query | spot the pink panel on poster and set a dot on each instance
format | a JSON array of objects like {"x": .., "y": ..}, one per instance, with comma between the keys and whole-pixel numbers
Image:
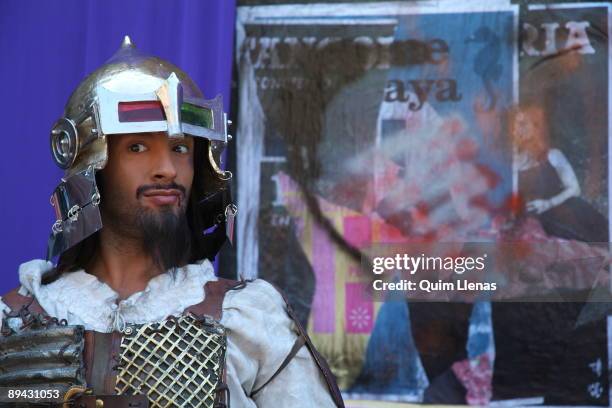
[
  {"x": 324, "y": 302},
  {"x": 357, "y": 230},
  {"x": 359, "y": 311}
]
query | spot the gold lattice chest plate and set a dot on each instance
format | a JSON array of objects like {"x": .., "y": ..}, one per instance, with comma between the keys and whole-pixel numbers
[{"x": 176, "y": 363}]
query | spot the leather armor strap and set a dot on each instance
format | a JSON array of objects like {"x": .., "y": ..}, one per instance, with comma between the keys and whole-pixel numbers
[
  {"x": 16, "y": 302},
  {"x": 101, "y": 355},
  {"x": 319, "y": 360},
  {"x": 299, "y": 342}
]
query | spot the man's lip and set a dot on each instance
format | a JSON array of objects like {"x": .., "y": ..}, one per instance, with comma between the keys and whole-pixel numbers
[
  {"x": 164, "y": 197},
  {"x": 170, "y": 192}
]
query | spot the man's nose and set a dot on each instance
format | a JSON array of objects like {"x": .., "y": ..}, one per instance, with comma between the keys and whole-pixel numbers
[{"x": 164, "y": 168}]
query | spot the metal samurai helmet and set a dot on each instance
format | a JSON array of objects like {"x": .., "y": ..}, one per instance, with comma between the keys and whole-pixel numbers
[{"x": 132, "y": 93}]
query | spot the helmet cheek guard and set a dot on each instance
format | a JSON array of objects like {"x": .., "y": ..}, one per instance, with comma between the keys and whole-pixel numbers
[{"x": 133, "y": 93}]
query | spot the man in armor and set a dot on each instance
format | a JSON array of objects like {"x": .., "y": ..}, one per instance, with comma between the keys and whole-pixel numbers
[{"x": 132, "y": 314}]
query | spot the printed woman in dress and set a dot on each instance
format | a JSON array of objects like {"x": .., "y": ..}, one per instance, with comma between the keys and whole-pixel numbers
[{"x": 547, "y": 183}]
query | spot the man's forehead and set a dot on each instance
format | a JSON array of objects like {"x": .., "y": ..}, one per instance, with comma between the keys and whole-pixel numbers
[{"x": 147, "y": 135}]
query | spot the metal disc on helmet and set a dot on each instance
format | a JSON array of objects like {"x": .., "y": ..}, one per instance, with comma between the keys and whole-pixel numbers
[{"x": 64, "y": 142}]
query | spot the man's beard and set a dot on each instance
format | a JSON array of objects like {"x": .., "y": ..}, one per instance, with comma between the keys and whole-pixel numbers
[
  {"x": 164, "y": 234},
  {"x": 166, "y": 237}
]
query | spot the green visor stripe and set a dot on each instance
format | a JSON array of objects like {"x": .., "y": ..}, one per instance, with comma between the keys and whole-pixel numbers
[{"x": 196, "y": 115}]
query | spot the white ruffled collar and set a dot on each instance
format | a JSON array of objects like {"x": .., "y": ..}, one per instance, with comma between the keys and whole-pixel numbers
[{"x": 81, "y": 298}]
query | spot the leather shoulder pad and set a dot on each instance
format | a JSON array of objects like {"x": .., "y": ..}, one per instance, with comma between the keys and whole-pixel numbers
[
  {"x": 17, "y": 302},
  {"x": 214, "y": 293}
]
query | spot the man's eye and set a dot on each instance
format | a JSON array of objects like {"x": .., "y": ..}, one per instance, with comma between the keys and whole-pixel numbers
[
  {"x": 137, "y": 148},
  {"x": 181, "y": 148}
]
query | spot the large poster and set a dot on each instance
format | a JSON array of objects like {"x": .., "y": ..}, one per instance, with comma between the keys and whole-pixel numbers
[{"x": 388, "y": 123}]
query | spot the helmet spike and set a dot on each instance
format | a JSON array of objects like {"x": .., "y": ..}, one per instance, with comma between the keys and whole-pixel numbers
[{"x": 127, "y": 42}]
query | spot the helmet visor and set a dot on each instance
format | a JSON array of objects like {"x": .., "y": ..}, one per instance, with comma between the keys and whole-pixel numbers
[{"x": 139, "y": 113}]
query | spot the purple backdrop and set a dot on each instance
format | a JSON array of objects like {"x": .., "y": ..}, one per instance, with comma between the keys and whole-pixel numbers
[{"x": 47, "y": 48}]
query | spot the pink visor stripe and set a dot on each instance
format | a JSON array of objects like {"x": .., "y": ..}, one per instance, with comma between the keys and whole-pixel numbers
[{"x": 141, "y": 111}]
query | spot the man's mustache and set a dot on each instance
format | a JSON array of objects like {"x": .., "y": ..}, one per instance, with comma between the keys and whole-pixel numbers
[{"x": 147, "y": 187}]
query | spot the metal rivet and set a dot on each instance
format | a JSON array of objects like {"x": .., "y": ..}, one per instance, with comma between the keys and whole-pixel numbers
[
  {"x": 57, "y": 227},
  {"x": 99, "y": 403},
  {"x": 128, "y": 330}
]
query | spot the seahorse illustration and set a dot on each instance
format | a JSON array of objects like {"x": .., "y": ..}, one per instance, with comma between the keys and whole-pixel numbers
[{"x": 486, "y": 64}]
